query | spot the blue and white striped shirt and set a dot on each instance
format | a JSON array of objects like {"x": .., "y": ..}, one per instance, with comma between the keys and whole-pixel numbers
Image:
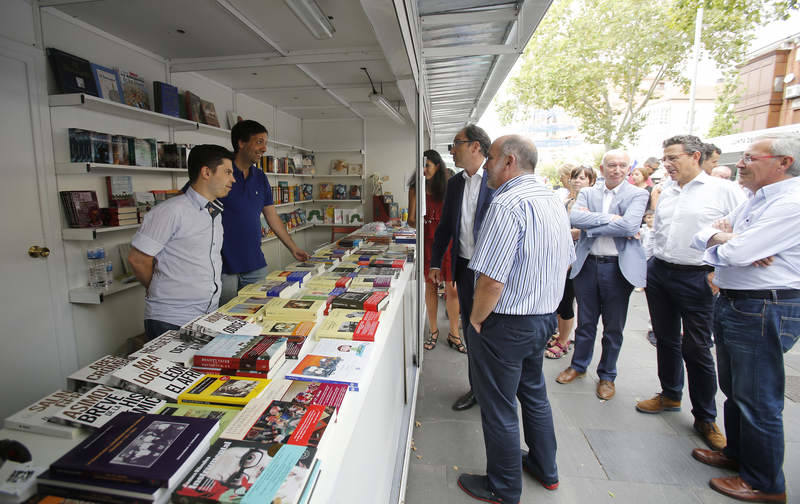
[{"x": 525, "y": 244}]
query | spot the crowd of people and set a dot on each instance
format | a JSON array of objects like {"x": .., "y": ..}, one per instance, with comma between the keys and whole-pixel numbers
[{"x": 717, "y": 261}]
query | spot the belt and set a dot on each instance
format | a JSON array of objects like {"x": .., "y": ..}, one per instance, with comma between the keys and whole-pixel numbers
[
  {"x": 769, "y": 294},
  {"x": 683, "y": 267},
  {"x": 604, "y": 259}
]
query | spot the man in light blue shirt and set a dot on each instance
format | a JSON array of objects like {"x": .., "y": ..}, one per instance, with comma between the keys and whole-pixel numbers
[
  {"x": 520, "y": 259},
  {"x": 756, "y": 253},
  {"x": 176, "y": 252}
]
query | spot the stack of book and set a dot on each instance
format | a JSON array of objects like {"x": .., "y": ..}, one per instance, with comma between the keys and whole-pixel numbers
[
  {"x": 81, "y": 208},
  {"x": 271, "y": 288},
  {"x": 252, "y": 356},
  {"x": 356, "y": 325}
]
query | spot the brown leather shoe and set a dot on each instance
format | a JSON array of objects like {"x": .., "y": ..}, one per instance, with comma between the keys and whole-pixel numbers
[
  {"x": 657, "y": 404},
  {"x": 568, "y": 375},
  {"x": 605, "y": 389},
  {"x": 711, "y": 435},
  {"x": 736, "y": 487},
  {"x": 715, "y": 459}
]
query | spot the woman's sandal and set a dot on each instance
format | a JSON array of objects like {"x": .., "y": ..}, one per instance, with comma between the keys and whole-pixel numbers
[
  {"x": 557, "y": 350},
  {"x": 430, "y": 341},
  {"x": 455, "y": 342}
]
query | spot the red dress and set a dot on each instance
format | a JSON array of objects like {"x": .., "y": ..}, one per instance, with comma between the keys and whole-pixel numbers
[{"x": 432, "y": 216}]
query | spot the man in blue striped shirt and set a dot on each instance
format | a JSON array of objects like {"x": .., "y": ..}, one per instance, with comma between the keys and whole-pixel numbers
[{"x": 521, "y": 260}]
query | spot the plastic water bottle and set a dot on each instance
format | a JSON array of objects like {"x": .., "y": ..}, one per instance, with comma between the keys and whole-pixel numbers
[
  {"x": 96, "y": 262},
  {"x": 91, "y": 261},
  {"x": 109, "y": 273}
]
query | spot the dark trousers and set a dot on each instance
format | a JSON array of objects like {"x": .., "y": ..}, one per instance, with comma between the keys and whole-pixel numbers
[
  {"x": 465, "y": 286},
  {"x": 600, "y": 289},
  {"x": 673, "y": 296},
  {"x": 154, "y": 328},
  {"x": 507, "y": 365},
  {"x": 752, "y": 335}
]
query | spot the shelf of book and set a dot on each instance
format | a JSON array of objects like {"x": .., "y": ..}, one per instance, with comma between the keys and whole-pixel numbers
[
  {"x": 112, "y": 169},
  {"x": 88, "y": 234},
  {"x": 121, "y": 110},
  {"x": 327, "y": 224},
  {"x": 334, "y": 175},
  {"x": 290, "y": 175},
  {"x": 92, "y": 295},
  {"x": 291, "y": 231},
  {"x": 326, "y": 201},
  {"x": 291, "y": 203}
]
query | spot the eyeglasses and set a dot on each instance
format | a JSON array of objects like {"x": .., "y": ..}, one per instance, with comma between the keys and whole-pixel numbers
[
  {"x": 672, "y": 159},
  {"x": 617, "y": 165},
  {"x": 456, "y": 142},
  {"x": 747, "y": 158}
]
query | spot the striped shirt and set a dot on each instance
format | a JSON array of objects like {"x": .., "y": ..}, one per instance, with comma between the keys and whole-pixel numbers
[{"x": 525, "y": 244}]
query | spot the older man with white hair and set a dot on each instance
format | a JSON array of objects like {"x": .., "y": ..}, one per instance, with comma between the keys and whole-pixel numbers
[
  {"x": 722, "y": 171},
  {"x": 608, "y": 266},
  {"x": 756, "y": 253}
]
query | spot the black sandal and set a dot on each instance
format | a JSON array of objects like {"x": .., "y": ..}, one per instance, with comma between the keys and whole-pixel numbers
[
  {"x": 430, "y": 341},
  {"x": 455, "y": 342}
]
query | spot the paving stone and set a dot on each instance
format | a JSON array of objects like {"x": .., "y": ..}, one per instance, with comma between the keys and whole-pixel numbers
[{"x": 793, "y": 388}]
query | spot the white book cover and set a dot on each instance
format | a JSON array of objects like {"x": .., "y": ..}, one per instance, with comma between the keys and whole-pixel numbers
[
  {"x": 171, "y": 347},
  {"x": 334, "y": 361},
  {"x": 100, "y": 404},
  {"x": 158, "y": 376},
  {"x": 207, "y": 326},
  {"x": 35, "y": 417},
  {"x": 99, "y": 372},
  {"x": 18, "y": 480}
]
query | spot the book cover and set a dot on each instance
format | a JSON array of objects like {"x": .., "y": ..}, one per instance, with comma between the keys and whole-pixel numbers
[
  {"x": 158, "y": 376},
  {"x": 231, "y": 468},
  {"x": 314, "y": 268},
  {"x": 334, "y": 361},
  {"x": 340, "y": 324},
  {"x": 167, "y": 98},
  {"x": 293, "y": 310},
  {"x": 35, "y": 418},
  {"x": 340, "y": 191},
  {"x": 271, "y": 288},
  {"x": 72, "y": 74},
  {"x": 193, "y": 107},
  {"x": 325, "y": 191},
  {"x": 100, "y": 144},
  {"x": 171, "y": 347},
  {"x": 369, "y": 301},
  {"x": 99, "y": 405},
  {"x": 246, "y": 373},
  {"x": 120, "y": 154},
  {"x": 80, "y": 149},
  {"x": 295, "y": 348},
  {"x": 120, "y": 190},
  {"x": 99, "y": 372},
  {"x": 224, "y": 391},
  {"x": 18, "y": 480},
  {"x": 106, "y": 492},
  {"x": 290, "y": 330},
  {"x": 289, "y": 423},
  {"x": 134, "y": 92},
  {"x": 324, "y": 394},
  {"x": 139, "y": 449},
  {"x": 223, "y": 415},
  {"x": 205, "y": 327},
  {"x": 209, "y": 113},
  {"x": 107, "y": 82},
  {"x": 285, "y": 477},
  {"x": 248, "y": 353},
  {"x": 355, "y": 169},
  {"x": 355, "y": 192}
]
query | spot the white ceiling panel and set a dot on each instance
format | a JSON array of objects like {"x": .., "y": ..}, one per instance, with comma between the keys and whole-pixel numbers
[
  {"x": 321, "y": 113},
  {"x": 350, "y": 71},
  {"x": 260, "y": 77},
  {"x": 295, "y": 98},
  {"x": 153, "y": 25}
]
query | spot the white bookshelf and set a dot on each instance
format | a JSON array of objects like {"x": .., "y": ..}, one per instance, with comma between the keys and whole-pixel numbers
[
  {"x": 112, "y": 169},
  {"x": 89, "y": 234},
  {"x": 93, "y": 295}
]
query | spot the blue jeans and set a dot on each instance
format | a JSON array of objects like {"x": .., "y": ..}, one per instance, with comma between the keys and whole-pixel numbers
[
  {"x": 752, "y": 335},
  {"x": 507, "y": 360},
  {"x": 154, "y": 328},
  {"x": 600, "y": 289},
  {"x": 232, "y": 282}
]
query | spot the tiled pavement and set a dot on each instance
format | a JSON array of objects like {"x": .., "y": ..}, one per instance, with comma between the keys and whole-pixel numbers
[{"x": 607, "y": 451}]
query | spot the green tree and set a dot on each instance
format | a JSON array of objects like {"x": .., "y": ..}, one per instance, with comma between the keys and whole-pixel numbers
[
  {"x": 725, "y": 120},
  {"x": 603, "y": 60}
]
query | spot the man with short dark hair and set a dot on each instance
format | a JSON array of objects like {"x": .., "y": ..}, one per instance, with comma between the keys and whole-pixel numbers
[
  {"x": 520, "y": 260},
  {"x": 242, "y": 259},
  {"x": 711, "y": 154},
  {"x": 465, "y": 203},
  {"x": 756, "y": 251},
  {"x": 175, "y": 253},
  {"x": 678, "y": 293}
]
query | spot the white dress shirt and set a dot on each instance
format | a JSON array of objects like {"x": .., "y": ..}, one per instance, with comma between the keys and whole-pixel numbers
[
  {"x": 469, "y": 203},
  {"x": 604, "y": 245},
  {"x": 683, "y": 211},
  {"x": 764, "y": 226}
]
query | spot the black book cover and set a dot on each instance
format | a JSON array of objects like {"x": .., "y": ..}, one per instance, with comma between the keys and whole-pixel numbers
[{"x": 73, "y": 74}]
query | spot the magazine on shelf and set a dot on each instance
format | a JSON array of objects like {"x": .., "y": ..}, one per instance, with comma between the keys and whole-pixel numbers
[
  {"x": 224, "y": 391},
  {"x": 35, "y": 418},
  {"x": 158, "y": 376},
  {"x": 334, "y": 361},
  {"x": 99, "y": 405},
  {"x": 139, "y": 449}
]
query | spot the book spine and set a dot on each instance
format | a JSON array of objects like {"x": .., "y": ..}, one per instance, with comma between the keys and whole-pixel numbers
[
  {"x": 211, "y": 403},
  {"x": 87, "y": 495},
  {"x": 210, "y": 361},
  {"x": 65, "y": 432},
  {"x": 105, "y": 476}
]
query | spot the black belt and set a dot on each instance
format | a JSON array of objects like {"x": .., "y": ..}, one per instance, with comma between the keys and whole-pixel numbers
[
  {"x": 769, "y": 294},
  {"x": 683, "y": 267},
  {"x": 604, "y": 259}
]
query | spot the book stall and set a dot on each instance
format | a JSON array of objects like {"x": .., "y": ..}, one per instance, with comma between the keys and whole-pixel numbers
[{"x": 289, "y": 393}]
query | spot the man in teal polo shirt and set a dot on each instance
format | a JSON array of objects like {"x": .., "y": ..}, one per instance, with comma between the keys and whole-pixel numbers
[{"x": 242, "y": 259}]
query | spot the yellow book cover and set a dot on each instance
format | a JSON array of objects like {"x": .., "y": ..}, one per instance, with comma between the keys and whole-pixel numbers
[
  {"x": 224, "y": 391},
  {"x": 245, "y": 306},
  {"x": 339, "y": 324},
  {"x": 288, "y": 329},
  {"x": 296, "y": 310},
  {"x": 259, "y": 289}
]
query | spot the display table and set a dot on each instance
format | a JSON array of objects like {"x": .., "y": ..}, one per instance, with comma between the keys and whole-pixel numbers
[{"x": 364, "y": 457}]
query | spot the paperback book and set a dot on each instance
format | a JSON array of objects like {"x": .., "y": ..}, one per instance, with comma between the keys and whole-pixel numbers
[
  {"x": 206, "y": 327},
  {"x": 293, "y": 331},
  {"x": 97, "y": 491},
  {"x": 99, "y": 372},
  {"x": 324, "y": 394},
  {"x": 224, "y": 391},
  {"x": 166, "y": 97},
  {"x": 271, "y": 288},
  {"x": 289, "y": 423},
  {"x": 18, "y": 481},
  {"x": 223, "y": 415},
  {"x": 369, "y": 301},
  {"x": 171, "y": 347},
  {"x": 293, "y": 310},
  {"x": 139, "y": 449},
  {"x": 334, "y": 361},
  {"x": 158, "y": 376},
  {"x": 99, "y": 405},
  {"x": 35, "y": 418},
  {"x": 134, "y": 91},
  {"x": 247, "y": 353},
  {"x": 353, "y": 325}
]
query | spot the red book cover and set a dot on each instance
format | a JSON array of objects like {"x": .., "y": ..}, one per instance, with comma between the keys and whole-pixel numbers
[
  {"x": 366, "y": 329},
  {"x": 343, "y": 282},
  {"x": 375, "y": 301}
]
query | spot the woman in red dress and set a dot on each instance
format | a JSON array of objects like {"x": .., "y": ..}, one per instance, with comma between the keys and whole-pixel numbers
[{"x": 436, "y": 175}]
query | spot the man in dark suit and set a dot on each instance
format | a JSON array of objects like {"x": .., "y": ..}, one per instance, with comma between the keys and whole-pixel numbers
[
  {"x": 609, "y": 265},
  {"x": 465, "y": 204}
]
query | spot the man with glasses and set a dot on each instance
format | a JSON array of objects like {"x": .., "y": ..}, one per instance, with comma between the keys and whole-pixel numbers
[
  {"x": 465, "y": 203},
  {"x": 756, "y": 253},
  {"x": 678, "y": 293},
  {"x": 607, "y": 268}
]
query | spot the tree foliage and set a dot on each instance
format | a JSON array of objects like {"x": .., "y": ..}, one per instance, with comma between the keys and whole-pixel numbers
[
  {"x": 603, "y": 60},
  {"x": 725, "y": 120}
]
